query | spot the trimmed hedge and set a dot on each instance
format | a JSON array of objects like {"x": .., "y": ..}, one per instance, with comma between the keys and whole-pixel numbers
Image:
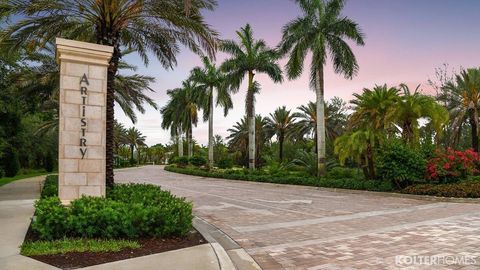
[
  {"x": 129, "y": 211},
  {"x": 197, "y": 161},
  {"x": 467, "y": 189},
  {"x": 50, "y": 186},
  {"x": 345, "y": 183}
]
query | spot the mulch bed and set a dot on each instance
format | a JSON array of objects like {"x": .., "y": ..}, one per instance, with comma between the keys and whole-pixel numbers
[{"x": 148, "y": 246}]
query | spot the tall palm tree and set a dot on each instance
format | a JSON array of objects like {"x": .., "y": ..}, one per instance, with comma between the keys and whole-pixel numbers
[
  {"x": 239, "y": 137},
  {"x": 321, "y": 30},
  {"x": 156, "y": 26},
  {"x": 181, "y": 111},
  {"x": 247, "y": 58},
  {"x": 211, "y": 81},
  {"x": 135, "y": 140},
  {"x": 281, "y": 124},
  {"x": 411, "y": 107},
  {"x": 462, "y": 97}
]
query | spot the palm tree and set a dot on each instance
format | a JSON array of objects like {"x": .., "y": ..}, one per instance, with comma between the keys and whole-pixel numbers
[
  {"x": 171, "y": 120},
  {"x": 411, "y": 107},
  {"x": 375, "y": 108},
  {"x": 210, "y": 79},
  {"x": 119, "y": 135},
  {"x": 335, "y": 119},
  {"x": 321, "y": 30},
  {"x": 135, "y": 140},
  {"x": 42, "y": 82},
  {"x": 281, "y": 124},
  {"x": 239, "y": 137},
  {"x": 181, "y": 112},
  {"x": 373, "y": 118},
  {"x": 358, "y": 145},
  {"x": 249, "y": 57},
  {"x": 462, "y": 98},
  {"x": 156, "y": 26}
]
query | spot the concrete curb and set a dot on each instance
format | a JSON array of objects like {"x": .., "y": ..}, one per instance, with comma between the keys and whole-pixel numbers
[{"x": 230, "y": 255}]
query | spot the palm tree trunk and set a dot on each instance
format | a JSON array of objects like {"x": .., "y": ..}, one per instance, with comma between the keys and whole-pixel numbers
[
  {"x": 210, "y": 130},
  {"x": 110, "y": 39},
  {"x": 363, "y": 165},
  {"x": 322, "y": 168},
  {"x": 190, "y": 141},
  {"x": 371, "y": 166},
  {"x": 138, "y": 155},
  {"x": 251, "y": 122},
  {"x": 131, "y": 152},
  {"x": 110, "y": 117},
  {"x": 474, "y": 125},
  {"x": 180, "y": 143},
  {"x": 280, "y": 145}
]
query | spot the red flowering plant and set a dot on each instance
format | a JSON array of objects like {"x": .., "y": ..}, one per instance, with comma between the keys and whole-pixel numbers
[{"x": 452, "y": 166}]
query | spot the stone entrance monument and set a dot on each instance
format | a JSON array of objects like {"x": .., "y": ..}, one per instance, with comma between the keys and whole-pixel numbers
[{"x": 82, "y": 118}]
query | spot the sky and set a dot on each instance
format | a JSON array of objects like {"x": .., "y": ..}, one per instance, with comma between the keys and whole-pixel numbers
[{"x": 405, "y": 41}]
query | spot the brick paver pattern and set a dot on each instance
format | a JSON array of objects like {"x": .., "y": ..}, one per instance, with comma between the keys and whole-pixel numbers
[{"x": 295, "y": 227}]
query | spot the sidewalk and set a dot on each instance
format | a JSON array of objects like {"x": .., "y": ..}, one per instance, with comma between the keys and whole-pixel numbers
[{"x": 16, "y": 209}]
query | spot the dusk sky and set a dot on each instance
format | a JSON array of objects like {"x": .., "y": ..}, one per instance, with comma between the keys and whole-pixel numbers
[{"x": 405, "y": 41}]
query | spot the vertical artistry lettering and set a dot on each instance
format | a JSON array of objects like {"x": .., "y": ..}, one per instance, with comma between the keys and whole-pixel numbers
[{"x": 83, "y": 120}]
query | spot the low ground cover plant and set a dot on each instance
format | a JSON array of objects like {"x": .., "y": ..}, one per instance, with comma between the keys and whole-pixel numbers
[
  {"x": 67, "y": 245},
  {"x": 128, "y": 211},
  {"x": 464, "y": 189}
]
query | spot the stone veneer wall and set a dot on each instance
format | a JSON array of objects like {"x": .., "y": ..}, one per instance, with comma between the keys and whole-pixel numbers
[{"x": 83, "y": 87}]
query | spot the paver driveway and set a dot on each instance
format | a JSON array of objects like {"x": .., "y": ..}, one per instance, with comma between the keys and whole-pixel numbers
[{"x": 294, "y": 227}]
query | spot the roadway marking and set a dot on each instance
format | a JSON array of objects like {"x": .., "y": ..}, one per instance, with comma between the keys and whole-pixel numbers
[
  {"x": 224, "y": 205},
  {"x": 237, "y": 200},
  {"x": 287, "y": 201},
  {"x": 305, "y": 222}
]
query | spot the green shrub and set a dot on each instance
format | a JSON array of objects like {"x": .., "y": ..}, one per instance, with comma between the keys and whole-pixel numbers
[
  {"x": 307, "y": 160},
  {"x": 466, "y": 189},
  {"x": 132, "y": 162},
  {"x": 198, "y": 161},
  {"x": 11, "y": 164},
  {"x": 133, "y": 210},
  {"x": 342, "y": 172},
  {"x": 50, "y": 186},
  {"x": 173, "y": 160},
  {"x": 182, "y": 161},
  {"x": 52, "y": 219},
  {"x": 400, "y": 164},
  {"x": 225, "y": 163},
  {"x": 260, "y": 176}
]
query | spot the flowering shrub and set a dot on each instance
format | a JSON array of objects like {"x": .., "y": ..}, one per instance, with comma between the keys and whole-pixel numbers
[{"x": 451, "y": 165}]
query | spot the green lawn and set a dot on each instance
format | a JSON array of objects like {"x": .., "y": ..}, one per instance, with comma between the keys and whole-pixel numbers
[
  {"x": 6, "y": 180},
  {"x": 75, "y": 245}
]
